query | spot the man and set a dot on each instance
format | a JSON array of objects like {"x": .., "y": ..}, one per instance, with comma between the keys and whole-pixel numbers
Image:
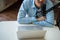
[{"x": 29, "y": 7}]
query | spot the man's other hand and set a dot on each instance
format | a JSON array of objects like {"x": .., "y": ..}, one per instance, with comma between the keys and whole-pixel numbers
[{"x": 41, "y": 18}]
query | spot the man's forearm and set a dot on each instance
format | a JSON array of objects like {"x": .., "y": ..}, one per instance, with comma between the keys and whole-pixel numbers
[
  {"x": 44, "y": 23},
  {"x": 26, "y": 20}
]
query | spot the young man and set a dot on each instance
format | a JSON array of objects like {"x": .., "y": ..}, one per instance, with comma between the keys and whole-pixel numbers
[{"x": 29, "y": 7}]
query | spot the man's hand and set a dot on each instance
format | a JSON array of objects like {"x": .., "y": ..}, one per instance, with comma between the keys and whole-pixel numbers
[{"x": 41, "y": 18}]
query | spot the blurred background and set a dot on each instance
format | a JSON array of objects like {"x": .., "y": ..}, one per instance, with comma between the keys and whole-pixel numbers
[{"x": 9, "y": 9}]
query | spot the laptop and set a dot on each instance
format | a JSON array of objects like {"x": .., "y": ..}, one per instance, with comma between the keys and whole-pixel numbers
[{"x": 30, "y": 31}]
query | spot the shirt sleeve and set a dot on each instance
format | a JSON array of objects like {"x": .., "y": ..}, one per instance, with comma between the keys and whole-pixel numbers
[
  {"x": 22, "y": 14},
  {"x": 49, "y": 21}
]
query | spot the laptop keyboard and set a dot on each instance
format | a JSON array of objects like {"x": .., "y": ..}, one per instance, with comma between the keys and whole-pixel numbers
[{"x": 29, "y": 28}]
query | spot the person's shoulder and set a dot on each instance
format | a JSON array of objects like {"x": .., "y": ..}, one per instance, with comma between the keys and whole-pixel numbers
[{"x": 28, "y": 1}]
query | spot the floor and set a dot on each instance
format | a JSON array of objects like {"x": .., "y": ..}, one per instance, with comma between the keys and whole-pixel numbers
[{"x": 10, "y": 13}]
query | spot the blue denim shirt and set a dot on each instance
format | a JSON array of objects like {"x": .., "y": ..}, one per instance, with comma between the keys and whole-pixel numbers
[{"x": 28, "y": 8}]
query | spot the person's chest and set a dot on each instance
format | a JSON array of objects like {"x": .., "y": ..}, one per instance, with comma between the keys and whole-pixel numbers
[{"x": 31, "y": 12}]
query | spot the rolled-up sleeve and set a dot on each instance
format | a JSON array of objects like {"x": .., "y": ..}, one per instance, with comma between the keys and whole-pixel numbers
[{"x": 21, "y": 18}]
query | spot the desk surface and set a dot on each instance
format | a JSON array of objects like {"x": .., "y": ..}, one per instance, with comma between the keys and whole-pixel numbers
[{"x": 8, "y": 31}]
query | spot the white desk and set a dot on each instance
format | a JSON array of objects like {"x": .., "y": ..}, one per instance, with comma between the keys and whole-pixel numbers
[
  {"x": 8, "y": 31},
  {"x": 52, "y": 34}
]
